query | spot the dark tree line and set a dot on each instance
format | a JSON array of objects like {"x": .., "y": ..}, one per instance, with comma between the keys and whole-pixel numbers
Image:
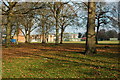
[{"x": 103, "y": 34}]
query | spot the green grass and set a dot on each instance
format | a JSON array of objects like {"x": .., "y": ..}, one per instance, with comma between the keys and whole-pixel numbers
[
  {"x": 61, "y": 64},
  {"x": 74, "y": 42},
  {"x": 100, "y": 42},
  {"x": 109, "y": 42}
]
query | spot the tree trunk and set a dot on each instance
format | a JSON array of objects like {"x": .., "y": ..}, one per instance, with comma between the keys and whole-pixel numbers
[
  {"x": 11, "y": 36},
  {"x": 57, "y": 32},
  {"x": 46, "y": 37},
  {"x": 47, "y": 34},
  {"x": 43, "y": 39},
  {"x": 26, "y": 39},
  {"x": 90, "y": 42},
  {"x": 17, "y": 33},
  {"x": 98, "y": 25},
  {"x": 61, "y": 40},
  {"x": 29, "y": 36},
  {"x": 8, "y": 31},
  {"x": 43, "y": 34}
]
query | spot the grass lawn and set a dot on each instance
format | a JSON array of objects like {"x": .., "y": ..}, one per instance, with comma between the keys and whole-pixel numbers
[
  {"x": 100, "y": 42},
  {"x": 108, "y": 42},
  {"x": 59, "y": 61}
]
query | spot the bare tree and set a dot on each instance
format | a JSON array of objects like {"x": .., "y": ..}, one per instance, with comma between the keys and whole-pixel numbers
[
  {"x": 56, "y": 10},
  {"x": 45, "y": 19},
  {"x": 90, "y": 42},
  {"x": 11, "y": 9},
  {"x": 8, "y": 11},
  {"x": 102, "y": 16},
  {"x": 67, "y": 18},
  {"x": 27, "y": 26}
]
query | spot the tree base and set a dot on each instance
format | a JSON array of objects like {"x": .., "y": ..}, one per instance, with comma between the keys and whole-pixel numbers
[
  {"x": 56, "y": 43},
  {"x": 61, "y": 43},
  {"x": 90, "y": 52},
  {"x": 43, "y": 42}
]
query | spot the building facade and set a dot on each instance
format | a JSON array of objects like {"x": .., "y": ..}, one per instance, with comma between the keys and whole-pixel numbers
[{"x": 34, "y": 38}]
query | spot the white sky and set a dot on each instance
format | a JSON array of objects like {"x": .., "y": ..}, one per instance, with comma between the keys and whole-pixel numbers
[{"x": 63, "y": 0}]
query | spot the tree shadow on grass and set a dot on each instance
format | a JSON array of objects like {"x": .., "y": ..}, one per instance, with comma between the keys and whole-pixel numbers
[
  {"x": 85, "y": 64},
  {"x": 108, "y": 55},
  {"x": 107, "y": 44},
  {"x": 73, "y": 63},
  {"x": 84, "y": 59},
  {"x": 58, "y": 63}
]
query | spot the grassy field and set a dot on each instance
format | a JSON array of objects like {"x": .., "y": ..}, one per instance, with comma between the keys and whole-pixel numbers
[
  {"x": 59, "y": 61},
  {"x": 99, "y": 42}
]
